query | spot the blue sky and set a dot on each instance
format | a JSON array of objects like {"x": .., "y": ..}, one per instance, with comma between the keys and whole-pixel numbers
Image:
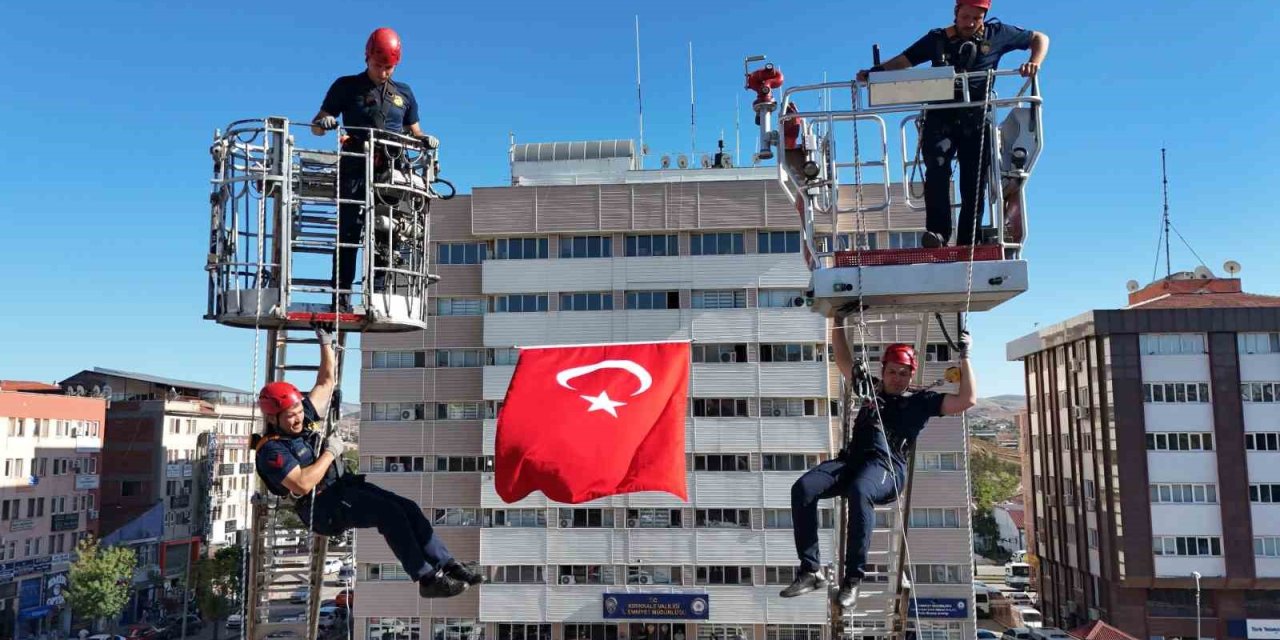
[{"x": 109, "y": 111}]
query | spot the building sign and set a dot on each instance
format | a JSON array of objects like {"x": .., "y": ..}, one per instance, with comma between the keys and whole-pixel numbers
[
  {"x": 656, "y": 606},
  {"x": 1256, "y": 629},
  {"x": 22, "y": 525},
  {"x": 65, "y": 522},
  {"x": 86, "y": 481},
  {"x": 10, "y": 570},
  {"x": 53, "y": 588},
  {"x": 173, "y": 471},
  {"x": 29, "y": 594},
  {"x": 939, "y": 607}
]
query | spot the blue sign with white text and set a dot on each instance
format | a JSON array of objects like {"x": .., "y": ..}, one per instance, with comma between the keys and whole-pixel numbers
[
  {"x": 939, "y": 607},
  {"x": 656, "y": 606},
  {"x": 29, "y": 596}
]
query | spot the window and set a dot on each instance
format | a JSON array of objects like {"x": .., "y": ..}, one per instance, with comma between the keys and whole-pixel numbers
[
  {"x": 929, "y": 518},
  {"x": 1258, "y": 342},
  {"x": 1168, "y": 392},
  {"x": 398, "y": 359},
  {"x": 586, "y": 247},
  {"x": 781, "y": 519},
  {"x": 789, "y": 461},
  {"x": 904, "y": 239},
  {"x": 716, "y": 244},
  {"x": 792, "y": 353},
  {"x": 789, "y": 407},
  {"x": 1177, "y": 603},
  {"x": 778, "y": 242},
  {"x": 719, "y": 408},
  {"x": 591, "y": 631},
  {"x": 720, "y": 299},
  {"x": 386, "y": 572},
  {"x": 1260, "y": 391},
  {"x": 462, "y": 252},
  {"x": 584, "y": 574},
  {"x": 645, "y": 300},
  {"x": 394, "y": 628},
  {"x": 723, "y": 575},
  {"x": 654, "y": 518},
  {"x": 1264, "y": 493},
  {"x": 648, "y": 574},
  {"x": 459, "y": 306},
  {"x": 720, "y": 462},
  {"x": 1184, "y": 493},
  {"x": 843, "y": 242},
  {"x": 718, "y": 353},
  {"x": 504, "y": 356},
  {"x": 1167, "y": 344},
  {"x": 937, "y": 353},
  {"x": 940, "y": 461},
  {"x": 456, "y": 517},
  {"x": 586, "y": 518},
  {"x": 1179, "y": 442},
  {"x": 130, "y": 488},
  {"x": 586, "y": 302},
  {"x": 1187, "y": 545},
  {"x": 936, "y": 630},
  {"x": 519, "y": 631},
  {"x": 779, "y": 575},
  {"x": 519, "y": 574},
  {"x": 461, "y": 357},
  {"x": 522, "y": 518},
  {"x": 793, "y": 632},
  {"x": 473, "y": 410},
  {"x": 939, "y": 573},
  {"x": 722, "y": 518},
  {"x": 520, "y": 303},
  {"x": 645, "y": 246},
  {"x": 1262, "y": 603},
  {"x": 396, "y": 411},
  {"x": 464, "y": 464},
  {"x": 1093, "y": 538},
  {"x": 725, "y": 632},
  {"x": 520, "y": 249},
  {"x": 780, "y": 298},
  {"x": 1266, "y": 546}
]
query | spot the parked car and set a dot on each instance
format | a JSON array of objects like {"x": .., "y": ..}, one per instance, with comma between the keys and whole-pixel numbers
[
  {"x": 331, "y": 617},
  {"x": 1027, "y": 617},
  {"x": 986, "y": 634},
  {"x": 234, "y": 621},
  {"x": 345, "y": 599},
  {"x": 332, "y": 565},
  {"x": 300, "y": 594},
  {"x": 194, "y": 624},
  {"x": 1016, "y": 633}
]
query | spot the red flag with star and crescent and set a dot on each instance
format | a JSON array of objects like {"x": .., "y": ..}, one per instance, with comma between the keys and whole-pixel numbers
[{"x": 584, "y": 422}]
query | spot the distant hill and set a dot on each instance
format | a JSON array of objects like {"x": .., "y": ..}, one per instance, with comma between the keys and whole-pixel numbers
[{"x": 999, "y": 408}]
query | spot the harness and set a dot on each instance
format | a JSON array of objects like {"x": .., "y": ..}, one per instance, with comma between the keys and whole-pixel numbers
[{"x": 257, "y": 441}]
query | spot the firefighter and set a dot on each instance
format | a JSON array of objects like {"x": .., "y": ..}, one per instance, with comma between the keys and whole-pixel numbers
[
  {"x": 972, "y": 43},
  {"x": 871, "y": 469},
  {"x": 366, "y": 100},
  {"x": 294, "y": 458}
]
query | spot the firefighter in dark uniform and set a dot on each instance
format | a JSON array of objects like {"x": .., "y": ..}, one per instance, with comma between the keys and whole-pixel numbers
[
  {"x": 366, "y": 100},
  {"x": 871, "y": 468},
  {"x": 294, "y": 459},
  {"x": 971, "y": 44}
]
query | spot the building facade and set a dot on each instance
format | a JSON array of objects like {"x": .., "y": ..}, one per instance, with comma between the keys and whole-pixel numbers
[
  {"x": 1153, "y": 457},
  {"x": 582, "y": 251},
  {"x": 51, "y": 446},
  {"x": 156, "y": 451}
]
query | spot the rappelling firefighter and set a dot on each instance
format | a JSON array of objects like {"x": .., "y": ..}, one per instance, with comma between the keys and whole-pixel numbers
[
  {"x": 295, "y": 459},
  {"x": 871, "y": 469},
  {"x": 366, "y": 100},
  {"x": 972, "y": 43}
]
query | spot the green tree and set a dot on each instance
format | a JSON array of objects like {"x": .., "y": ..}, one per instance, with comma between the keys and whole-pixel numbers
[
  {"x": 217, "y": 585},
  {"x": 994, "y": 480},
  {"x": 100, "y": 581}
]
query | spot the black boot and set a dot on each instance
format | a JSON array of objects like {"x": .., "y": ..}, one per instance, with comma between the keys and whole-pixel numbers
[
  {"x": 439, "y": 585},
  {"x": 804, "y": 583},
  {"x": 468, "y": 572},
  {"x": 848, "y": 595},
  {"x": 931, "y": 240}
]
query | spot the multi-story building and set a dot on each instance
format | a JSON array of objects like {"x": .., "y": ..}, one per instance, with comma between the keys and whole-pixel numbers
[
  {"x": 585, "y": 247},
  {"x": 1155, "y": 456},
  {"x": 51, "y": 446},
  {"x": 158, "y": 431}
]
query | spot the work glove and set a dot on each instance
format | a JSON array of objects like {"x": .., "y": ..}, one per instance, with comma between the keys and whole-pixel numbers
[
  {"x": 333, "y": 444},
  {"x": 964, "y": 343},
  {"x": 429, "y": 141},
  {"x": 328, "y": 123},
  {"x": 324, "y": 336}
]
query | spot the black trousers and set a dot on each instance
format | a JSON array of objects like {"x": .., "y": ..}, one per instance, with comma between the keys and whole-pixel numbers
[
  {"x": 352, "y": 503},
  {"x": 954, "y": 134},
  {"x": 351, "y": 220},
  {"x": 866, "y": 483}
]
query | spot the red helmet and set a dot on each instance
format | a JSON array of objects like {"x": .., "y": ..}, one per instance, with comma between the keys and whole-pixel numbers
[
  {"x": 383, "y": 47},
  {"x": 278, "y": 396},
  {"x": 981, "y": 4},
  {"x": 900, "y": 354}
]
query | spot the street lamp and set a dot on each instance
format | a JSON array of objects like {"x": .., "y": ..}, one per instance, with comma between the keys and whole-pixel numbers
[{"x": 1196, "y": 575}]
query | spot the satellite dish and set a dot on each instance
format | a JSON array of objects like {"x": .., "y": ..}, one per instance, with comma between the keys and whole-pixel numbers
[
  {"x": 1131, "y": 285},
  {"x": 80, "y": 390},
  {"x": 706, "y": 161},
  {"x": 1202, "y": 272},
  {"x": 728, "y": 161},
  {"x": 682, "y": 161},
  {"x": 666, "y": 162},
  {"x": 97, "y": 391},
  {"x": 1231, "y": 267}
]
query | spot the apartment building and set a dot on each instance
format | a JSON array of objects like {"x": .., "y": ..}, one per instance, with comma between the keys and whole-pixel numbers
[
  {"x": 1154, "y": 450},
  {"x": 160, "y": 432},
  {"x": 584, "y": 247},
  {"x": 51, "y": 446}
]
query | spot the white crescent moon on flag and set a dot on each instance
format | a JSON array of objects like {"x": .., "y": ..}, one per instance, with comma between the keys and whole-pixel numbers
[{"x": 634, "y": 369}]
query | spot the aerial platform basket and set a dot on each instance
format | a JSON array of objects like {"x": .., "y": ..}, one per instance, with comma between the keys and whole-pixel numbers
[
  {"x": 822, "y": 150},
  {"x": 276, "y": 232}
]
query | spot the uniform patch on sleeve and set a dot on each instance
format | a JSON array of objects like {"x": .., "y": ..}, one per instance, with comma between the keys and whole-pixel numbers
[{"x": 277, "y": 461}]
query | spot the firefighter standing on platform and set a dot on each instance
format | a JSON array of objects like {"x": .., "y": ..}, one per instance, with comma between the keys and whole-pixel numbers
[
  {"x": 971, "y": 44},
  {"x": 293, "y": 458},
  {"x": 871, "y": 469},
  {"x": 366, "y": 100}
]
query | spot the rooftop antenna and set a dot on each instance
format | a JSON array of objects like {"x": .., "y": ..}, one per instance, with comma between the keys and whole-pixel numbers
[
  {"x": 639, "y": 94},
  {"x": 737, "y": 129},
  {"x": 693, "y": 127},
  {"x": 1164, "y": 177}
]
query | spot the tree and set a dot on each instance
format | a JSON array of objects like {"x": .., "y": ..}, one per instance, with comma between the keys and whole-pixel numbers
[
  {"x": 218, "y": 582},
  {"x": 994, "y": 480},
  {"x": 101, "y": 579}
]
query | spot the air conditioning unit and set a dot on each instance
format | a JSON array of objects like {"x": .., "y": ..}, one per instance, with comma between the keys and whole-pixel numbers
[
  {"x": 395, "y": 466},
  {"x": 406, "y": 415},
  {"x": 565, "y": 524},
  {"x": 567, "y": 580},
  {"x": 1081, "y": 413},
  {"x": 93, "y": 514},
  {"x": 1078, "y": 366},
  {"x": 727, "y": 357},
  {"x": 645, "y": 579},
  {"x": 777, "y": 413},
  {"x": 632, "y": 523},
  {"x": 930, "y": 357}
]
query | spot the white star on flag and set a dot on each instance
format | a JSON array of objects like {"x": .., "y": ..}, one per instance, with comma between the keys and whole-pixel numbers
[{"x": 603, "y": 402}]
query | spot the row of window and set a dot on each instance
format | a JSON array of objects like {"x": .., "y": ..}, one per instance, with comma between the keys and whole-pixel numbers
[
  {"x": 604, "y": 301},
  {"x": 472, "y": 629},
  {"x": 52, "y": 428},
  {"x": 712, "y": 518},
  {"x": 1187, "y": 545},
  {"x": 705, "y": 353},
  {"x": 601, "y": 246},
  {"x": 595, "y": 574},
  {"x": 1260, "y": 391},
  {"x": 1178, "y": 441},
  {"x": 1175, "y": 392},
  {"x": 1195, "y": 344}
]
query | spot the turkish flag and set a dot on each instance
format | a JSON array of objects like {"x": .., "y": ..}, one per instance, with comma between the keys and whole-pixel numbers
[{"x": 584, "y": 422}]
